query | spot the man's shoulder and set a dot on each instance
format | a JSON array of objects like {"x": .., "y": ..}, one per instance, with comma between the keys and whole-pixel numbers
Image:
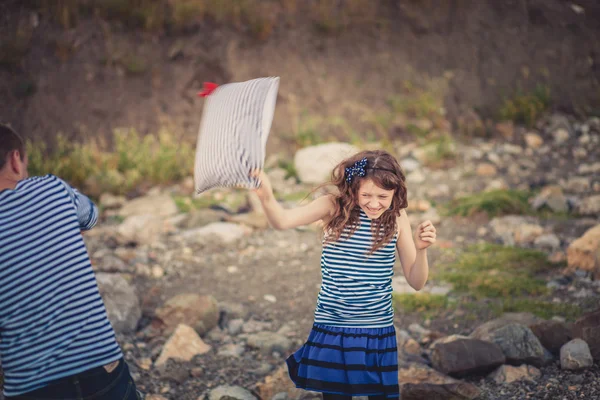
[{"x": 36, "y": 180}]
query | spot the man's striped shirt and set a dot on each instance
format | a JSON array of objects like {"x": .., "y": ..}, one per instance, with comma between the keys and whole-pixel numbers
[
  {"x": 53, "y": 322},
  {"x": 356, "y": 289}
]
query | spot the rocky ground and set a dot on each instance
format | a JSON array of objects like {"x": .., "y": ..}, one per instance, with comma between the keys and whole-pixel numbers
[{"x": 210, "y": 302}]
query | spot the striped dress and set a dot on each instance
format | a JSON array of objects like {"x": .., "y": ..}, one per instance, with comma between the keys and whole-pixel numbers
[
  {"x": 352, "y": 349},
  {"x": 53, "y": 322}
]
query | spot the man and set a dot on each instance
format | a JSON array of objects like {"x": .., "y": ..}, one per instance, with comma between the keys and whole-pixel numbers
[{"x": 56, "y": 339}]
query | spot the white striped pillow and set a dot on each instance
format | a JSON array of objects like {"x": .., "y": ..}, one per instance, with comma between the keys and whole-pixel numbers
[{"x": 233, "y": 133}]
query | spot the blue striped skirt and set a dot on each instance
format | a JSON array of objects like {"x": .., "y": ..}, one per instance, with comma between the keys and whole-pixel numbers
[{"x": 347, "y": 361}]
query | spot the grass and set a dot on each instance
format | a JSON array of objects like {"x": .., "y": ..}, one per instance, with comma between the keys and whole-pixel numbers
[
  {"x": 133, "y": 161},
  {"x": 493, "y": 203},
  {"x": 186, "y": 204},
  {"x": 495, "y": 271},
  {"x": 526, "y": 107},
  {"x": 543, "y": 309},
  {"x": 426, "y": 303},
  {"x": 440, "y": 151}
]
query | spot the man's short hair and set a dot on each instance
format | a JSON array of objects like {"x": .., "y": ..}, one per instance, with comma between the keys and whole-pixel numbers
[{"x": 9, "y": 142}]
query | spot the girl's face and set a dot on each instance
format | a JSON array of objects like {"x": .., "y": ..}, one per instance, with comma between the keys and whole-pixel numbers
[{"x": 372, "y": 199}]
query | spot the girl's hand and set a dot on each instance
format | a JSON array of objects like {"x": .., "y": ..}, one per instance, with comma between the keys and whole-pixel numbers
[
  {"x": 265, "y": 190},
  {"x": 424, "y": 235}
]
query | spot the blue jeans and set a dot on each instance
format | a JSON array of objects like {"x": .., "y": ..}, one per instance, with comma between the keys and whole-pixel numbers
[{"x": 94, "y": 384}]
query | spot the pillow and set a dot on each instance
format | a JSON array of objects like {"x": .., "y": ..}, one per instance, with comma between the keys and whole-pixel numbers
[{"x": 233, "y": 133}]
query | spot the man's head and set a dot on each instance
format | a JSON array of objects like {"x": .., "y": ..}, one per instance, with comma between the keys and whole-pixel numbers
[{"x": 13, "y": 160}]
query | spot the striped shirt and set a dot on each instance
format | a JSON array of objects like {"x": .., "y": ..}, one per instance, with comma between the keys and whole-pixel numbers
[
  {"x": 356, "y": 289},
  {"x": 53, "y": 322}
]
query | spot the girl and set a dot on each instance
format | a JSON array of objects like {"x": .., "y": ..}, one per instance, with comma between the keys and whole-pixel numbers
[{"x": 351, "y": 350}]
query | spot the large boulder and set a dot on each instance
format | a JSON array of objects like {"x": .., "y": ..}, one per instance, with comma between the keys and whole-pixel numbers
[
  {"x": 121, "y": 301},
  {"x": 584, "y": 252},
  {"x": 587, "y": 327},
  {"x": 197, "y": 311},
  {"x": 463, "y": 357},
  {"x": 552, "y": 334},
  {"x": 518, "y": 343},
  {"x": 314, "y": 164}
]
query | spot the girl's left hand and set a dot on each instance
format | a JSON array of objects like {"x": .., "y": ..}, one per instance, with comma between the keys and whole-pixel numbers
[{"x": 425, "y": 235}]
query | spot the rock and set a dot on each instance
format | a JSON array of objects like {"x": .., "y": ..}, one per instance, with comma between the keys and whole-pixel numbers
[
  {"x": 200, "y": 312},
  {"x": 578, "y": 184},
  {"x": 560, "y": 135},
  {"x": 547, "y": 242},
  {"x": 230, "y": 393},
  {"x": 518, "y": 343},
  {"x": 486, "y": 169},
  {"x": 589, "y": 205},
  {"x": 406, "y": 344},
  {"x": 161, "y": 205},
  {"x": 122, "y": 304},
  {"x": 314, "y": 164},
  {"x": 268, "y": 342},
  {"x": 418, "y": 382},
  {"x": 464, "y": 356},
  {"x": 533, "y": 140},
  {"x": 174, "y": 371},
  {"x": 202, "y": 217},
  {"x": 278, "y": 382},
  {"x": 588, "y": 168},
  {"x": 552, "y": 334},
  {"x": 515, "y": 229},
  {"x": 583, "y": 253},
  {"x": 223, "y": 232},
  {"x": 110, "y": 264},
  {"x": 509, "y": 374},
  {"x": 231, "y": 350},
  {"x": 141, "y": 229},
  {"x": 575, "y": 355},
  {"x": 587, "y": 327},
  {"x": 551, "y": 197},
  {"x": 109, "y": 201},
  {"x": 155, "y": 397},
  {"x": 235, "y": 326},
  {"x": 183, "y": 345}
]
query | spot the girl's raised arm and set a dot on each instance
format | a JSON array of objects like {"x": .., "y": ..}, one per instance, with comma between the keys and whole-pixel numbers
[{"x": 281, "y": 218}]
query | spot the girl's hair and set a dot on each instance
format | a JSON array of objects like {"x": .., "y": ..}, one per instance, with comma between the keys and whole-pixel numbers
[{"x": 385, "y": 172}]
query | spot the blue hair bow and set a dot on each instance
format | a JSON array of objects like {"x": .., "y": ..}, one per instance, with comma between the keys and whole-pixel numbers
[{"x": 358, "y": 169}]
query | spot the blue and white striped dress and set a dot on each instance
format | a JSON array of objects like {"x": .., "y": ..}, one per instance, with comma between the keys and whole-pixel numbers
[
  {"x": 53, "y": 322},
  {"x": 352, "y": 348}
]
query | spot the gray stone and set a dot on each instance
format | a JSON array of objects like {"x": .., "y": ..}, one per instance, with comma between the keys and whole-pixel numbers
[
  {"x": 518, "y": 343},
  {"x": 590, "y": 205},
  {"x": 575, "y": 355},
  {"x": 122, "y": 304},
  {"x": 226, "y": 392},
  {"x": 161, "y": 205},
  {"x": 221, "y": 232},
  {"x": 235, "y": 326},
  {"x": 548, "y": 241},
  {"x": 231, "y": 350},
  {"x": 587, "y": 327},
  {"x": 197, "y": 311},
  {"x": 268, "y": 342}
]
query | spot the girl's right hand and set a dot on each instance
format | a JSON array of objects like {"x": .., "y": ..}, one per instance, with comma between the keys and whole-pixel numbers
[{"x": 265, "y": 190}]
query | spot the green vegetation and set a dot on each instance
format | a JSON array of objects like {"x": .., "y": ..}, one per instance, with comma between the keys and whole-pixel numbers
[
  {"x": 526, "y": 108},
  {"x": 426, "y": 303},
  {"x": 496, "y": 271},
  {"x": 493, "y": 203},
  {"x": 543, "y": 309},
  {"x": 134, "y": 160}
]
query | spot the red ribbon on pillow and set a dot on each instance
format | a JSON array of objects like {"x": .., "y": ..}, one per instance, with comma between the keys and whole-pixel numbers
[{"x": 209, "y": 87}]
